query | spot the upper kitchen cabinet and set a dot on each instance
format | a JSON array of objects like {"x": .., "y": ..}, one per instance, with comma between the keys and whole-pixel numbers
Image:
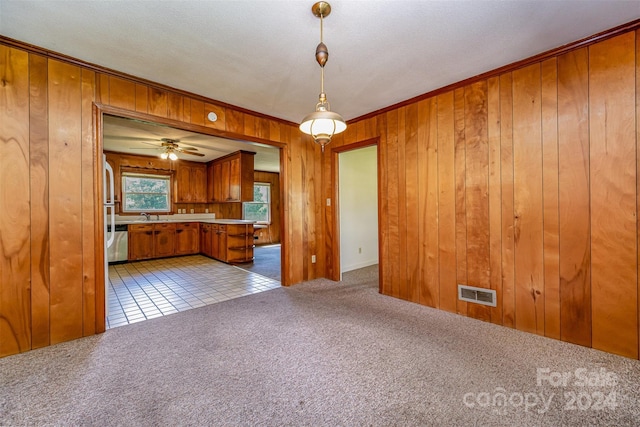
[
  {"x": 191, "y": 183},
  {"x": 230, "y": 178}
]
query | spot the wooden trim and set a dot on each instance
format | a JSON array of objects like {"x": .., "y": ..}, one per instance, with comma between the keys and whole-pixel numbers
[
  {"x": 587, "y": 41},
  {"x": 120, "y": 112},
  {"x": 100, "y": 285},
  {"x": 108, "y": 71},
  {"x": 335, "y": 151}
]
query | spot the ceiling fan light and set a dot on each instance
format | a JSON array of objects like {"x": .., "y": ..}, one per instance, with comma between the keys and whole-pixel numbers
[
  {"x": 172, "y": 156},
  {"x": 164, "y": 155}
]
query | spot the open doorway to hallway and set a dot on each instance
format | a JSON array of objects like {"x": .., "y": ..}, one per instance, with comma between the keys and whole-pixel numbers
[{"x": 358, "y": 208}]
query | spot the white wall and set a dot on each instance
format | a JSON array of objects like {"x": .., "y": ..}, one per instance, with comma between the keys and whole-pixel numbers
[{"x": 358, "y": 191}]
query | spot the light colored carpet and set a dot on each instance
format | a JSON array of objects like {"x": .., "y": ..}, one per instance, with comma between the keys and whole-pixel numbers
[{"x": 317, "y": 354}]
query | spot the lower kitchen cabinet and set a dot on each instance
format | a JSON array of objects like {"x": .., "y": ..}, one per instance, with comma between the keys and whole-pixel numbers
[
  {"x": 187, "y": 238},
  {"x": 230, "y": 243},
  {"x": 206, "y": 239},
  {"x": 140, "y": 241},
  {"x": 148, "y": 241}
]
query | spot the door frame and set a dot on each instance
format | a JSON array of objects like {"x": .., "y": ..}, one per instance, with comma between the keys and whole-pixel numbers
[
  {"x": 335, "y": 208},
  {"x": 99, "y": 110}
]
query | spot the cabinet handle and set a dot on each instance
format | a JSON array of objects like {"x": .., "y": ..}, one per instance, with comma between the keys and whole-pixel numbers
[
  {"x": 179, "y": 231},
  {"x": 149, "y": 232}
]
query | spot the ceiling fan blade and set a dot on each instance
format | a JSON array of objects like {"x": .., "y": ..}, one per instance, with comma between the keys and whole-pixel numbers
[
  {"x": 180, "y": 150},
  {"x": 182, "y": 147},
  {"x": 144, "y": 148}
]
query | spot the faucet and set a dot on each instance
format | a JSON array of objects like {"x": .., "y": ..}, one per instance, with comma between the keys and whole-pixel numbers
[
  {"x": 157, "y": 217},
  {"x": 146, "y": 215}
]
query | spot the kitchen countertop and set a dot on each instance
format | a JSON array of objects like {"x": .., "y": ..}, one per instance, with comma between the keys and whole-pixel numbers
[{"x": 181, "y": 218}]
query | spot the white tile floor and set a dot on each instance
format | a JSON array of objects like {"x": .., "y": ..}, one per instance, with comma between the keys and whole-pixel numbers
[{"x": 147, "y": 289}]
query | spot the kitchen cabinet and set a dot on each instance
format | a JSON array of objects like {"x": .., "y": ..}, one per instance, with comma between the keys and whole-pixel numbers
[
  {"x": 191, "y": 183},
  {"x": 230, "y": 243},
  {"x": 187, "y": 238},
  {"x": 148, "y": 241},
  {"x": 219, "y": 242},
  {"x": 230, "y": 178},
  {"x": 140, "y": 241},
  {"x": 206, "y": 238},
  {"x": 239, "y": 243}
]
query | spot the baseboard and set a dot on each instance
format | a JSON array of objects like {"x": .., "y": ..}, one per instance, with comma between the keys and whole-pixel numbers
[{"x": 362, "y": 264}]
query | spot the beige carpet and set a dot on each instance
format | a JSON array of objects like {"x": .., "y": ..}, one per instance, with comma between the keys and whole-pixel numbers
[{"x": 318, "y": 354}]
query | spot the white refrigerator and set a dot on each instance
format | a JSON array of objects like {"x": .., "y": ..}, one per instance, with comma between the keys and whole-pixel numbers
[{"x": 109, "y": 219}]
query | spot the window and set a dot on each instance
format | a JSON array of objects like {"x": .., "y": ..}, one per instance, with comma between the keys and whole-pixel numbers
[
  {"x": 146, "y": 193},
  {"x": 260, "y": 209}
]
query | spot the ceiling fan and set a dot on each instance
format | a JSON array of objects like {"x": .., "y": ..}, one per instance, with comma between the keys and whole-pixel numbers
[{"x": 170, "y": 147}]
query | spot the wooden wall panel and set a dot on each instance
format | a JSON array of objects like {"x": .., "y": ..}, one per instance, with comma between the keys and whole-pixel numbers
[
  {"x": 15, "y": 298},
  {"x": 402, "y": 205},
  {"x": 573, "y": 190},
  {"x": 197, "y": 112},
  {"x": 460, "y": 177},
  {"x": 175, "y": 109},
  {"x": 383, "y": 204},
  {"x": 411, "y": 202},
  {"x": 494, "y": 196},
  {"x": 527, "y": 197},
  {"x": 158, "y": 102},
  {"x": 392, "y": 203},
  {"x": 142, "y": 98},
  {"x": 508, "y": 221},
  {"x": 39, "y": 188},
  {"x": 122, "y": 93},
  {"x": 448, "y": 290},
  {"x": 89, "y": 199},
  {"x": 550, "y": 198},
  {"x": 638, "y": 172},
  {"x": 65, "y": 178},
  {"x": 613, "y": 172},
  {"x": 476, "y": 187},
  {"x": 428, "y": 202}
]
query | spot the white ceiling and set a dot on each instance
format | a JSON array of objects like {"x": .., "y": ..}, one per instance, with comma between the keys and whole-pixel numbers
[
  {"x": 143, "y": 138},
  {"x": 259, "y": 55}
]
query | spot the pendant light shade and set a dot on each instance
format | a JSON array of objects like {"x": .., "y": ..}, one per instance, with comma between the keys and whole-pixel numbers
[{"x": 322, "y": 124}]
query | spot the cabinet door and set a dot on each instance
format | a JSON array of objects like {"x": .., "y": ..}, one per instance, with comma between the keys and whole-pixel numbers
[
  {"x": 234, "y": 180},
  {"x": 220, "y": 243},
  {"x": 140, "y": 242},
  {"x": 164, "y": 240},
  {"x": 218, "y": 195},
  {"x": 205, "y": 239},
  {"x": 183, "y": 183},
  {"x": 225, "y": 176},
  {"x": 187, "y": 238},
  {"x": 199, "y": 184}
]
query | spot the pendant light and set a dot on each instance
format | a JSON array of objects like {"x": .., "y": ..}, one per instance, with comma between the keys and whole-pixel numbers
[{"x": 323, "y": 123}]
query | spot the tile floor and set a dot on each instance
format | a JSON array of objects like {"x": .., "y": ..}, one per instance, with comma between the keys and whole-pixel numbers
[{"x": 147, "y": 289}]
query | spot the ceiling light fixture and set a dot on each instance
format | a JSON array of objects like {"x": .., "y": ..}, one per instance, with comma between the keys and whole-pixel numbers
[
  {"x": 322, "y": 124},
  {"x": 168, "y": 154}
]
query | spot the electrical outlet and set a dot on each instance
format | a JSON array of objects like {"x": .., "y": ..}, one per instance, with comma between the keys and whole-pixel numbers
[
  {"x": 313, "y": 259},
  {"x": 359, "y": 250}
]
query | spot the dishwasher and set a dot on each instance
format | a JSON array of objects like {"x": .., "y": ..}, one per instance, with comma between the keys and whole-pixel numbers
[{"x": 119, "y": 250}]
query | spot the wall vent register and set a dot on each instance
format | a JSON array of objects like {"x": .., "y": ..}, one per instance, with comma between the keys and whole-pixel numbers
[{"x": 477, "y": 295}]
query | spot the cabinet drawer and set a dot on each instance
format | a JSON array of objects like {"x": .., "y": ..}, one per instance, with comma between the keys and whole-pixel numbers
[
  {"x": 141, "y": 227},
  {"x": 165, "y": 226}
]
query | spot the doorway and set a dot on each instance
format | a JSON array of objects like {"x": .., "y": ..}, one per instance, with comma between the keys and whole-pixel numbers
[
  {"x": 358, "y": 208},
  {"x": 148, "y": 288}
]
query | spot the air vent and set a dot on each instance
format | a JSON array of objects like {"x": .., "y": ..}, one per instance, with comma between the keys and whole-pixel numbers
[{"x": 477, "y": 295}]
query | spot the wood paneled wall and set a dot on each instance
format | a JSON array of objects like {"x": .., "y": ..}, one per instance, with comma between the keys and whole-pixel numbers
[
  {"x": 272, "y": 233},
  {"x": 51, "y": 268},
  {"x": 527, "y": 183}
]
